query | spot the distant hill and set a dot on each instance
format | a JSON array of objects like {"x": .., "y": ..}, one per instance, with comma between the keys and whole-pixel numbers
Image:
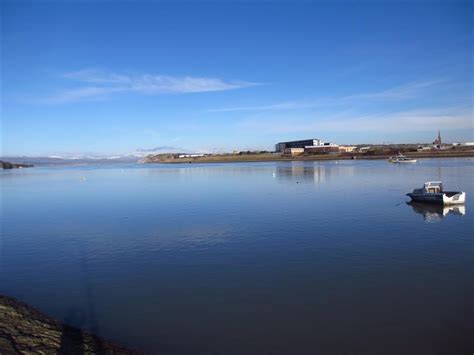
[
  {"x": 39, "y": 161},
  {"x": 91, "y": 158}
]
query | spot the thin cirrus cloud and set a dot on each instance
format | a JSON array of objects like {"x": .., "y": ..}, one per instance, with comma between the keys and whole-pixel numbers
[
  {"x": 364, "y": 112},
  {"x": 406, "y": 91},
  {"x": 399, "y": 121},
  {"x": 101, "y": 85},
  {"x": 89, "y": 93}
]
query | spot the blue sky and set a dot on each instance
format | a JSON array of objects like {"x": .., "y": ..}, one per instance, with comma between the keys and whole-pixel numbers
[{"x": 111, "y": 77}]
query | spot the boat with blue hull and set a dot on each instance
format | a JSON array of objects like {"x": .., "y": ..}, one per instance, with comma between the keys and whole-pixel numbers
[{"x": 433, "y": 192}]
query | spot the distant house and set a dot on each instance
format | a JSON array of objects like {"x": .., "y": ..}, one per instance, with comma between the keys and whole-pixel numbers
[
  {"x": 423, "y": 148},
  {"x": 323, "y": 149},
  {"x": 190, "y": 155},
  {"x": 294, "y": 151},
  {"x": 347, "y": 149}
]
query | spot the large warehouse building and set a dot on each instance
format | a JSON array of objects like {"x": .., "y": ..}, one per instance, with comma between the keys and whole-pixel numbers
[{"x": 280, "y": 147}]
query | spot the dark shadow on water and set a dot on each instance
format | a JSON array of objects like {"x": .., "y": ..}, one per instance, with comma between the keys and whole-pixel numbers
[
  {"x": 88, "y": 289},
  {"x": 76, "y": 341},
  {"x": 72, "y": 339}
]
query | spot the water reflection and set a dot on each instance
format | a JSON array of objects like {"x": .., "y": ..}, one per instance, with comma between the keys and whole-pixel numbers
[
  {"x": 301, "y": 172},
  {"x": 434, "y": 213},
  {"x": 304, "y": 173}
]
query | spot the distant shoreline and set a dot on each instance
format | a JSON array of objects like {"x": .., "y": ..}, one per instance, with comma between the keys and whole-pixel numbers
[
  {"x": 8, "y": 165},
  {"x": 268, "y": 157}
]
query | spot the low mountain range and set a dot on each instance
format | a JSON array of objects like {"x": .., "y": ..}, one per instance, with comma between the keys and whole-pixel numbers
[{"x": 91, "y": 158}]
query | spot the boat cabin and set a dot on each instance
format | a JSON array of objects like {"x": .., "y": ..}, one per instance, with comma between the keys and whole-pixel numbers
[{"x": 433, "y": 187}]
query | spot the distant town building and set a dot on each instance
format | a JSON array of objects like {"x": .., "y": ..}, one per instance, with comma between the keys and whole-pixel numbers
[
  {"x": 463, "y": 144},
  {"x": 312, "y": 146},
  {"x": 423, "y": 148},
  {"x": 322, "y": 149},
  {"x": 280, "y": 147},
  {"x": 294, "y": 151}
]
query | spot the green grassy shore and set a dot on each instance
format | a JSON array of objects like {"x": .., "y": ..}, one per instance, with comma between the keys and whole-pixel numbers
[{"x": 262, "y": 157}]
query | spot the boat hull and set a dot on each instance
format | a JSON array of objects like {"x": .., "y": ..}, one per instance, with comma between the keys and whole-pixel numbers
[
  {"x": 409, "y": 161},
  {"x": 405, "y": 162},
  {"x": 447, "y": 198},
  {"x": 455, "y": 198}
]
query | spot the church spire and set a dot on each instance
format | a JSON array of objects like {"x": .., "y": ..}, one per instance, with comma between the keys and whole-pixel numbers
[{"x": 437, "y": 141}]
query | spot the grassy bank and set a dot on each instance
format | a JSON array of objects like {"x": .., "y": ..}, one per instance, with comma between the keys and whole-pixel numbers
[{"x": 262, "y": 157}]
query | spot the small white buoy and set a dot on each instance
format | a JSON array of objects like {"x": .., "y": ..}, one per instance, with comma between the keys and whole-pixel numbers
[
  {"x": 83, "y": 178},
  {"x": 274, "y": 175}
]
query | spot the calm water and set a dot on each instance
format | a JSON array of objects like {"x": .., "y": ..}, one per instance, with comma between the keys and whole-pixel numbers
[{"x": 261, "y": 258}]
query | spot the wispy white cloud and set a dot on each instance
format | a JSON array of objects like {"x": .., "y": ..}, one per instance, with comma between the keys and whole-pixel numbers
[
  {"x": 88, "y": 93},
  {"x": 413, "y": 107},
  {"x": 407, "y": 121},
  {"x": 288, "y": 105},
  {"x": 158, "y": 84},
  {"x": 400, "y": 121},
  {"x": 101, "y": 85},
  {"x": 97, "y": 76},
  {"x": 406, "y": 91}
]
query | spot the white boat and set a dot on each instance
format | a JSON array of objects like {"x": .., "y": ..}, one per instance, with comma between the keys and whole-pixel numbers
[
  {"x": 432, "y": 192},
  {"x": 400, "y": 158}
]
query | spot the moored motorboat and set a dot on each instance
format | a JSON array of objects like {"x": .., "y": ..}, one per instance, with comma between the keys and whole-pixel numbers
[
  {"x": 433, "y": 192},
  {"x": 400, "y": 158}
]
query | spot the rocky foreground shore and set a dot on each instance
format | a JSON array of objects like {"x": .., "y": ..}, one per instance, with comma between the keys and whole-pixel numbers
[{"x": 25, "y": 330}]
